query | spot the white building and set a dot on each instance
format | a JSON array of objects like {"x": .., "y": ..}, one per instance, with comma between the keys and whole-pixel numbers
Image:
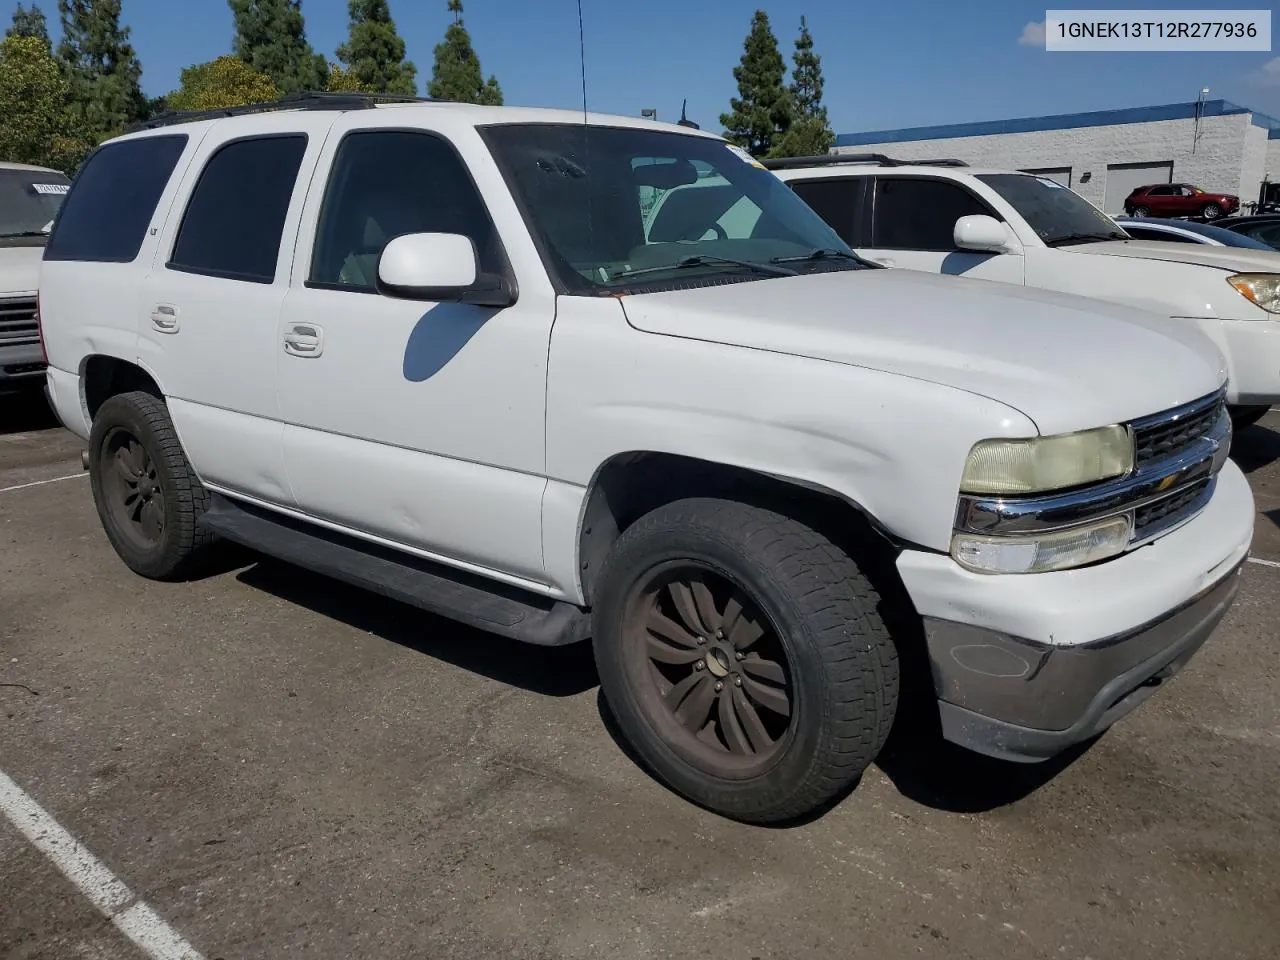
[{"x": 1215, "y": 145}]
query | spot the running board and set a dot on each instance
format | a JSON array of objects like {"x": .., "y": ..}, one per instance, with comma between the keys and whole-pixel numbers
[{"x": 473, "y": 600}]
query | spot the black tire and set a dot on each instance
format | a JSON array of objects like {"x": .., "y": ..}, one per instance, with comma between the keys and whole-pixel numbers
[
  {"x": 841, "y": 665},
  {"x": 1242, "y": 417},
  {"x": 173, "y": 496},
  {"x": 1211, "y": 211},
  {"x": 1140, "y": 211}
]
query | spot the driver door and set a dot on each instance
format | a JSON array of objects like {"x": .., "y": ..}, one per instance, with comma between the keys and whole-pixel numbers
[{"x": 913, "y": 222}]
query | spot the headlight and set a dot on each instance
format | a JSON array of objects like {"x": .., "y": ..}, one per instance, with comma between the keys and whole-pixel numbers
[
  {"x": 1042, "y": 464},
  {"x": 1261, "y": 288},
  {"x": 1040, "y": 553}
]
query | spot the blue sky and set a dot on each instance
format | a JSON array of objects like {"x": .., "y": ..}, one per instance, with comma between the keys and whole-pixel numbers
[{"x": 887, "y": 64}]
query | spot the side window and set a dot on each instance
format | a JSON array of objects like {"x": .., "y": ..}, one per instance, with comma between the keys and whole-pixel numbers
[
  {"x": 839, "y": 202},
  {"x": 109, "y": 207},
  {"x": 235, "y": 216},
  {"x": 1268, "y": 233},
  {"x": 1160, "y": 192},
  {"x": 1161, "y": 235},
  {"x": 916, "y": 214},
  {"x": 384, "y": 184}
]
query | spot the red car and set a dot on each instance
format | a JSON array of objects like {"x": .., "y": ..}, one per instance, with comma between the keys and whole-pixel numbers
[{"x": 1179, "y": 200}]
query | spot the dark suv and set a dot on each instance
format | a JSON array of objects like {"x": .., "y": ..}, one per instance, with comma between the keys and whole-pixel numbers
[{"x": 1179, "y": 200}]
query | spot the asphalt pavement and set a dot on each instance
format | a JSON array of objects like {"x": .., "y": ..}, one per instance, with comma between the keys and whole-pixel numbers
[{"x": 274, "y": 765}]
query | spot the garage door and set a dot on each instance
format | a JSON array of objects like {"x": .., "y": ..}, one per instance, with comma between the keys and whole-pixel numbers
[
  {"x": 1060, "y": 175},
  {"x": 1122, "y": 178}
]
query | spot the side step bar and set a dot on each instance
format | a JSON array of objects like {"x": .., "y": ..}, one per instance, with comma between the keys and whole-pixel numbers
[{"x": 457, "y": 595}]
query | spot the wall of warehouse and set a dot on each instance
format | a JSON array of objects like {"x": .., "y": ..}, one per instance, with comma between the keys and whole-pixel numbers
[{"x": 1231, "y": 154}]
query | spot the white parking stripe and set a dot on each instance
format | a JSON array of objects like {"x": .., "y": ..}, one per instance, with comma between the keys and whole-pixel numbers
[
  {"x": 40, "y": 483},
  {"x": 104, "y": 889},
  {"x": 1264, "y": 563}
]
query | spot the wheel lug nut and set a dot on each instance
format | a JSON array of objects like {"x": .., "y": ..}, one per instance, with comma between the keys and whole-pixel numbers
[
  {"x": 741, "y": 655},
  {"x": 719, "y": 686},
  {"x": 737, "y": 681},
  {"x": 719, "y": 634},
  {"x": 702, "y": 640},
  {"x": 699, "y": 665}
]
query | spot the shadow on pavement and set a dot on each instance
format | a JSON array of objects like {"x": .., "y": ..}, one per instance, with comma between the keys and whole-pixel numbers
[
  {"x": 550, "y": 671},
  {"x": 1255, "y": 447},
  {"x": 25, "y": 410}
]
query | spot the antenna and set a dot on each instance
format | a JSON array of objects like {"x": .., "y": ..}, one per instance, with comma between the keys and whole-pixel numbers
[
  {"x": 582, "y": 58},
  {"x": 684, "y": 120}
]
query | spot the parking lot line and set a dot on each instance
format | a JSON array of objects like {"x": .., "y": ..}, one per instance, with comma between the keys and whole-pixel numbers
[
  {"x": 131, "y": 916},
  {"x": 1264, "y": 563},
  {"x": 40, "y": 483}
]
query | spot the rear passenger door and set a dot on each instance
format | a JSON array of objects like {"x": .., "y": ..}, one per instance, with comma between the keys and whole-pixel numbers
[
  {"x": 211, "y": 304},
  {"x": 913, "y": 221},
  {"x": 839, "y": 201}
]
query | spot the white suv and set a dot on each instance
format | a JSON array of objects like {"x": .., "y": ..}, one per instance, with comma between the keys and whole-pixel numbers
[
  {"x": 428, "y": 348},
  {"x": 946, "y": 217}
]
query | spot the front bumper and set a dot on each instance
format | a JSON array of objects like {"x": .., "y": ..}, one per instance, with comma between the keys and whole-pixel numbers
[
  {"x": 1252, "y": 351},
  {"x": 21, "y": 366},
  {"x": 1026, "y": 665}
]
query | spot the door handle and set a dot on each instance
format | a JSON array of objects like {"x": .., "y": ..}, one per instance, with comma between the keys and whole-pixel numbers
[
  {"x": 164, "y": 318},
  {"x": 303, "y": 340}
]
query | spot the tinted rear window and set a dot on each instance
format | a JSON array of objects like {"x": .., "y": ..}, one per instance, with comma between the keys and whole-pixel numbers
[
  {"x": 29, "y": 201},
  {"x": 114, "y": 197},
  {"x": 235, "y": 217}
]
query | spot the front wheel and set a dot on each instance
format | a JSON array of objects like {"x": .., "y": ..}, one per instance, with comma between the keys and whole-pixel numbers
[
  {"x": 743, "y": 657},
  {"x": 147, "y": 495},
  {"x": 1211, "y": 211}
]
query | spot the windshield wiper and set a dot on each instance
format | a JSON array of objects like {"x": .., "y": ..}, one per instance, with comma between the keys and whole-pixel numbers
[
  {"x": 1084, "y": 238},
  {"x": 704, "y": 260},
  {"x": 23, "y": 233},
  {"x": 826, "y": 253}
]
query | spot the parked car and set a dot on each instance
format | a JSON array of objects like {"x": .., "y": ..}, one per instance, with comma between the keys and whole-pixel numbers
[
  {"x": 1264, "y": 228},
  {"x": 427, "y": 348},
  {"x": 1179, "y": 200},
  {"x": 1032, "y": 231},
  {"x": 29, "y": 201},
  {"x": 1188, "y": 231}
]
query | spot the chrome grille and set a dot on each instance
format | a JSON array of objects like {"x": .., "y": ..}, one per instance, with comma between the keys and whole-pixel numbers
[
  {"x": 18, "y": 325},
  {"x": 1170, "y": 433},
  {"x": 1157, "y": 517}
]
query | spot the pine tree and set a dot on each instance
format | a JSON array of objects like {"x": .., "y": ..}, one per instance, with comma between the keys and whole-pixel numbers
[
  {"x": 810, "y": 132},
  {"x": 101, "y": 69},
  {"x": 761, "y": 113},
  {"x": 456, "y": 74},
  {"x": 271, "y": 38},
  {"x": 29, "y": 23},
  {"x": 374, "y": 51}
]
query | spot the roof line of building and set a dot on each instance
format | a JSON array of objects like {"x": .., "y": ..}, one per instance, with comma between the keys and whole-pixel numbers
[{"x": 1064, "y": 121}]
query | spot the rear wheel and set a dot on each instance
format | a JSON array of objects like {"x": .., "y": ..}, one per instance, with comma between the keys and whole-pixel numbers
[
  {"x": 743, "y": 657},
  {"x": 1141, "y": 211},
  {"x": 1211, "y": 211},
  {"x": 147, "y": 495}
]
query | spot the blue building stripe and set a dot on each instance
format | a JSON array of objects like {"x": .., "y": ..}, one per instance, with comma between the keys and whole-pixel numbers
[{"x": 1064, "y": 121}]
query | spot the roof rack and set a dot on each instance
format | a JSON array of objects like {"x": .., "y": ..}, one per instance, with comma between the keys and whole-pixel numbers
[
  {"x": 837, "y": 159},
  {"x": 307, "y": 100}
]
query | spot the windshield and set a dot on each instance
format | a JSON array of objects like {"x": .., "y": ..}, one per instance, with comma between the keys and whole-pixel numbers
[
  {"x": 1056, "y": 213},
  {"x": 29, "y": 200},
  {"x": 615, "y": 208}
]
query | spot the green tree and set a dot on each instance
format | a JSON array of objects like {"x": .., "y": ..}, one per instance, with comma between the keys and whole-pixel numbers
[
  {"x": 761, "y": 113},
  {"x": 101, "y": 68},
  {"x": 271, "y": 38},
  {"x": 225, "y": 82},
  {"x": 374, "y": 51},
  {"x": 342, "y": 80},
  {"x": 456, "y": 74},
  {"x": 29, "y": 23},
  {"x": 810, "y": 133},
  {"x": 37, "y": 127}
]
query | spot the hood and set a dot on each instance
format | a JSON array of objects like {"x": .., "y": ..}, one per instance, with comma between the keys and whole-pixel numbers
[
  {"x": 1232, "y": 259},
  {"x": 1067, "y": 362},
  {"x": 19, "y": 269}
]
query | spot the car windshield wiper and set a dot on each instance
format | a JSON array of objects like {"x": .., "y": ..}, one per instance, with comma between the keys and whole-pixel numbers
[
  {"x": 705, "y": 260},
  {"x": 1084, "y": 238},
  {"x": 23, "y": 233},
  {"x": 826, "y": 253}
]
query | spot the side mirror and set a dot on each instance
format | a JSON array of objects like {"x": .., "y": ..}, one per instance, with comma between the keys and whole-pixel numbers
[
  {"x": 983, "y": 233},
  {"x": 440, "y": 267}
]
